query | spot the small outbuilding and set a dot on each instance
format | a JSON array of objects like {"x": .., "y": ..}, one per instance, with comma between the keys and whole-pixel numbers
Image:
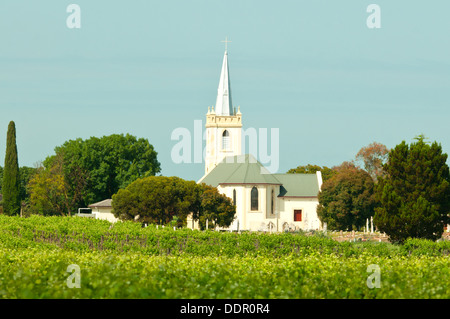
[{"x": 103, "y": 210}]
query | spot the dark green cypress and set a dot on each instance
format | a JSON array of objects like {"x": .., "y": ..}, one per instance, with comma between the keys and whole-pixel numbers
[
  {"x": 415, "y": 193},
  {"x": 11, "y": 180}
]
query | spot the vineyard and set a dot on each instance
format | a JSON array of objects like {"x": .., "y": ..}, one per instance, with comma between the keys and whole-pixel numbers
[{"x": 124, "y": 260}]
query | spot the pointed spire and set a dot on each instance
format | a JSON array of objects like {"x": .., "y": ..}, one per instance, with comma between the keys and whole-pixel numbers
[{"x": 223, "y": 102}]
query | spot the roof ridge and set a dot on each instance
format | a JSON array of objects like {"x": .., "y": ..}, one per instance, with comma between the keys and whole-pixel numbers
[
  {"x": 107, "y": 200},
  {"x": 234, "y": 171}
]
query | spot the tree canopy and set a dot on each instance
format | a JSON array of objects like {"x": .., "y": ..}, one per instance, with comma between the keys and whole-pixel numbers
[
  {"x": 159, "y": 199},
  {"x": 50, "y": 194},
  {"x": 346, "y": 199},
  {"x": 156, "y": 199},
  {"x": 415, "y": 193},
  {"x": 311, "y": 169},
  {"x": 372, "y": 158},
  {"x": 217, "y": 208},
  {"x": 83, "y": 172}
]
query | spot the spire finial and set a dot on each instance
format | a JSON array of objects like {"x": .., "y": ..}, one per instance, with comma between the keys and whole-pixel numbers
[{"x": 226, "y": 43}]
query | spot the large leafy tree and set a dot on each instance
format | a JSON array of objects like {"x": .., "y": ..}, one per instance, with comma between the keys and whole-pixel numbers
[
  {"x": 96, "y": 168},
  {"x": 156, "y": 199},
  {"x": 347, "y": 199},
  {"x": 50, "y": 193},
  {"x": 11, "y": 177},
  {"x": 159, "y": 199},
  {"x": 415, "y": 193},
  {"x": 215, "y": 208},
  {"x": 372, "y": 157},
  {"x": 86, "y": 171}
]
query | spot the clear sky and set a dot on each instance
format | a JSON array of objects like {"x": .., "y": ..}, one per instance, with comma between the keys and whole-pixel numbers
[{"x": 312, "y": 69}]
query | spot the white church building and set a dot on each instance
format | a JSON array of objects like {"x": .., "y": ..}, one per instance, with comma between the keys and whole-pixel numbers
[{"x": 264, "y": 201}]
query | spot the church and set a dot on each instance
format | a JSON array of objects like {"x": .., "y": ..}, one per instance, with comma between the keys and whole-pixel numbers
[{"x": 264, "y": 201}]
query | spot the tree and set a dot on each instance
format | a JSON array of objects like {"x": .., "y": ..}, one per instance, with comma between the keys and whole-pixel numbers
[
  {"x": 217, "y": 208},
  {"x": 346, "y": 165},
  {"x": 25, "y": 174},
  {"x": 156, "y": 199},
  {"x": 96, "y": 168},
  {"x": 312, "y": 169},
  {"x": 373, "y": 157},
  {"x": 50, "y": 194},
  {"x": 415, "y": 193},
  {"x": 1, "y": 179},
  {"x": 347, "y": 199},
  {"x": 159, "y": 199},
  {"x": 11, "y": 179}
]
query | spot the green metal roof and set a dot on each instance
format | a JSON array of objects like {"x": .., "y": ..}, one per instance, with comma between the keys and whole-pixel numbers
[
  {"x": 239, "y": 169},
  {"x": 245, "y": 169},
  {"x": 298, "y": 185}
]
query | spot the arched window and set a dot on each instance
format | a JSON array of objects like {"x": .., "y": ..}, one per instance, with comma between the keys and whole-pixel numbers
[
  {"x": 225, "y": 140},
  {"x": 271, "y": 203},
  {"x": 254, "y": 198},
  {"x": 234, "y": 197}
]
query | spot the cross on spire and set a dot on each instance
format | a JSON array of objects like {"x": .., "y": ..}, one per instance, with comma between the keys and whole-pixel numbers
[{"x": 226, "y": 43}]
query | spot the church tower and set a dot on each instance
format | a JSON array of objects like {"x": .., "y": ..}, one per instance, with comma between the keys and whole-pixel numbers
[{"x": 223, "y": 124}]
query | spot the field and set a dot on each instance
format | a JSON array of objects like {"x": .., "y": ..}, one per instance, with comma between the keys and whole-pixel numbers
[{"x": 127, "y": 261}]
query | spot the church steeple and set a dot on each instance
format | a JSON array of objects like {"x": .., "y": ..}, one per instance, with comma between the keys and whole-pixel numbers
[
  {"x": 223, "y": 123},
  {"x": 224, "y": 105}
]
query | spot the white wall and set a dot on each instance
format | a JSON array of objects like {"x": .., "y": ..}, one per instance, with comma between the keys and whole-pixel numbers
[
  {"x": 308, "y": 206},
  {"x": 260, "y": 219},
  {"x": 104, "y": 213}
]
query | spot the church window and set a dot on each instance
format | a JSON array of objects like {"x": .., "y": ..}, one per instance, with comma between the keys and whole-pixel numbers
[
  {"x": 226, "y": 140},
  {"x": 297, "y": 215},
  {"x": 271, "y": 203},
  {"x": 254, "y": 198},
  {"x": 234, "y": 197}
]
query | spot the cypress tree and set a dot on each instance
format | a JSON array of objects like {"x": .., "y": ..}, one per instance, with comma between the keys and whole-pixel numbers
[
  {"x": 415, "y": 193},
  {"x": 11, "y": 180}
]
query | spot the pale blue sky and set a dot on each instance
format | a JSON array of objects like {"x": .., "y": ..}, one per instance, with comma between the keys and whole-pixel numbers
[{"x": 310, "y": 68}]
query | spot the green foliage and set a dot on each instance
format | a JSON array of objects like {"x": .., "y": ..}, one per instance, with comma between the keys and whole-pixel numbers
[
  {"x": 128, "y": 261},
  {"x": 43, "y": 274},
  {"x": 26, "y": 174},
  {"x": 49, "y": 192},
  {"x": 111, "y": 162},
  {"x": 327, "y": 173},
  {"x": 214, "y": 207},
  {"x": 347, "y": 199},
  {"x": 86, "y": 171},
  {"x": 11, "y": 178},
  {"x": 415, "y": 194},
  {"x": 1, "y": 179},
  {"x": 158, "y": 199},
  {"x": 87, "y": 234}
]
